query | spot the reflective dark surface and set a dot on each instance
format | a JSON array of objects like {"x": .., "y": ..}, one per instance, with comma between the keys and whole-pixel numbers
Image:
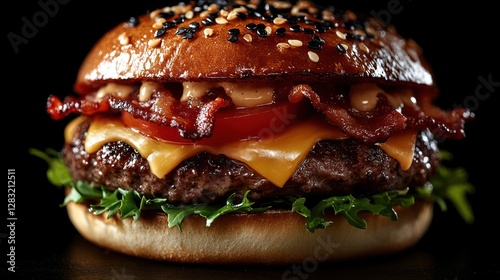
[{"x": 458, "y": 40}]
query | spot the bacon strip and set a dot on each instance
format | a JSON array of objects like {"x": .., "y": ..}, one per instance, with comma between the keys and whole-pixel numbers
[
  {"x": 194, "y": 122},
  {"x": 384, "y": 119}
]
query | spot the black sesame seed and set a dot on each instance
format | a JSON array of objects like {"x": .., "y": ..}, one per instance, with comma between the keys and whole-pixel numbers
[
  {"x": 341, "y": 48},
  {"x": 310, "y": 22},
  {"x": 308, "y": 31},
  {"x": 181, "y": 30},
  {"x": 160, "y": 32},
  {"x": 315, "y": 45},
  {"x": 267, "y": 18},
  {"x": 207, "y": 21},
  {"x": 133, "y": 22},
  {"x": 261, "y": 26},
  {"x": 323, "y": 26},
  {"x": 194, "y": 25},
  {"x": 353, "y": 25},
  {"x": 262, "y": 32},
  {"x": 233, "y": 38},
  {"x": 327, "y": 24},
  {"x": 258, "y": 14},
  {"x": 301, "y": 18},
  {"x": 188, "y": 35},
  {"x": 251, "y": 26},
  {"x": 318, "y": 39},
  {"x": 295, "y": 28},
  {"x": 320, "y": 29},
  {"x": 281, "y": 31},
  {"x": 241, "y": 16},
  {"x": 352, "y": 36},
  {"x": 178, "y": 20},
  {"x": 292, "y": 20},
  {"x": 233, "y": 31},
  {"x": 168, "y": 24},
  {"x": 165, "y": 14}
]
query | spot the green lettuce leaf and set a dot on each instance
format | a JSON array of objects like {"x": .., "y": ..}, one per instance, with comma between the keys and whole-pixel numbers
[
  {"x": 449, "y": 185},
  {"x": 349, "y": 206}
]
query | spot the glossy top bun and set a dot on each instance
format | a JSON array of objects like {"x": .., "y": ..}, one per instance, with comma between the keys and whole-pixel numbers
[{"x": 254, "y": 41}]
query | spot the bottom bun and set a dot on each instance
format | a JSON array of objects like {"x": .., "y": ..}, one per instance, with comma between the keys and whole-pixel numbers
[{"x": 276, "y": 237}]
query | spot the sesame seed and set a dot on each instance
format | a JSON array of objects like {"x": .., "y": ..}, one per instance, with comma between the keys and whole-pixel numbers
[
  {"x": 248, "y": 38},
  {"x": 268, "y": 29},
  {"x": 232, "y": 15},
  {"x": 279, "y": 20},
  {"x": 213, "y": 7},
  {"x": 363, "y": 47},
  {"x": 370, "y": 31},
  {"x": 282, "y": 5},
  {"x": 189, "y": 14},
  {"x": 208, "y": 32},
  {"x": 123, "y": 38},
  {"x": 313, "y": 56},
  {"x": 282, "y": 46},
  {"x": 221, "y": 20},
  {"x": 154, "y": 43},
  {"x": 295, "y": 43},
  {"x": 224, "y": 13},
  {"x": 158, "y": 23},
  {"x": 204, "y": 14},
  {"x": 341, "y": 35},
  {"x": 242, "y": 10}
]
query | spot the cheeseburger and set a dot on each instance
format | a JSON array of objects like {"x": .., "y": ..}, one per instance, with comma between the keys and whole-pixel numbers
[{"x": 247, "y": 132}]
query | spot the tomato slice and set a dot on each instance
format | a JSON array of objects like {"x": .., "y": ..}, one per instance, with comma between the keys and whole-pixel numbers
[{"x": 231, "y": 124}]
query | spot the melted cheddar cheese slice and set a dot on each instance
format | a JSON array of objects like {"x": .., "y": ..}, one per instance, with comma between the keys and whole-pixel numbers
[{"x": 275, "y": 158}]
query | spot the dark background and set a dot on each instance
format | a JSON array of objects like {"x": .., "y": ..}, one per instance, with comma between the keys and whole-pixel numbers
[{"x": 458, "y": 40}]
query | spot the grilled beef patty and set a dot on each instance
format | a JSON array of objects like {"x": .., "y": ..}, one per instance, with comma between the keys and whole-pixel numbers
[{"x": 333, "y": 167}]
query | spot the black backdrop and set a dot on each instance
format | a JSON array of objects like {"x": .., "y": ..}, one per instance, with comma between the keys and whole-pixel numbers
[{"x": 458, "y": 40}]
